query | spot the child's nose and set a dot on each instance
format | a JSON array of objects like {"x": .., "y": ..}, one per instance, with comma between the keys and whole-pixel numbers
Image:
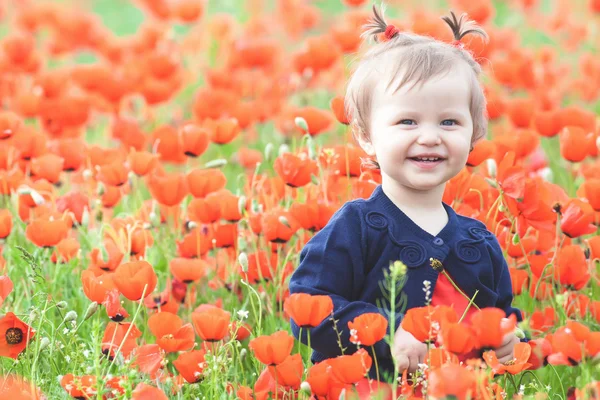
[{"x": 429, "y": 137}]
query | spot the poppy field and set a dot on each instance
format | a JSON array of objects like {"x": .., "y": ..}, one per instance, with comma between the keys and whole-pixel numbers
[{"x": 163, "y": 163}]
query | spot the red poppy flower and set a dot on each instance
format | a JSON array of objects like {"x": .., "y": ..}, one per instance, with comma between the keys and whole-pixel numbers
[
  {"x": 46, "y": 233},
  {"x": 272, "y": 349},
  {"x": 457, "y": 338},
  {"x": 167, "y": 189},
  {"x": 289, "y": 372},
  {"x": 65, "y": 251},
  {"x": 5, "y": 223},
  {"x": 577, "y": 218},
  {"x": 307, "y": 310},
  {"x": 451, "y": 380},
  {"x": 123, "y": 335},
  {"x": 571, "y": 269},
  {"x": 194, "y": 139},
  {"x": 144, "y": 391},
  {"x": 211, "y": 324},
  {"x": 6, "y": 287},
  {"x": 295, "y": 171},
  {"x": 351, "y": 369},
  {"x": 135, "y": 279},
  {"x": 488, "y": 327},
  {"x": 279, "y": 226},
  {"x": 319, "y": 378},
  {"x": 368, "y": 329},
  {"x": 170, "y": 332},
  {"x": 201, "y": 182},
  {"x": 522, "y": 351},
  {"x": 79, "y": 387},
  {"x": 575, "y": 143},
  {"x": 590, "y": 189},
  {"x": 14, "y": 335},
  {"x": 191, "y": 365},
  {"x": 148, "y": 359},
  {"x": 142, "y": 162},
  {"x": 188, "y": 270},
  {"x": 223, "y": 130},
  {"x": 114, "y": 309},
  {"x": 337, "y": 106},
  {"x": 113, "y": 174}
]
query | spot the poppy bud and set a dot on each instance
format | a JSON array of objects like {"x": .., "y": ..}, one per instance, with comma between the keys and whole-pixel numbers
[
  {"x": 519, "y": 333},
  {"x": 241, "y": 204},
  {"x": 218, "y": 163},
  {"x": 85, "y": 217},
  {"x": 44, "y": 343},
  {"x": 71, "y": 316},
  {"x": 154, "y": 219},
  {"x": 305, "y": 387},
  {"x": 91, "y": 310},
  {"x": 491, "y": 167},
  {"x": 243, "y": 260},
  {"x": 243, "y": 353},
  {"x": 301, "y": 123},
  {"x": 284, "y": 148},
  {"x": 314, "y": 180},
  {"x": 268, "y": 151},
  {"x": 547, "y": 174},
  {"x": 101, "y": 189},
  {"x": 284, "y": 221},
  {"x": 37, "y": 198},
  {"x": 501, "y": 208},
  {"x": 515, "y": 239},
  {"x": 33, "y": 315},
  {"x": 491, "y": 182},
  {"x": 87, "y": 174},
  {"x": 61, "y": 304}
]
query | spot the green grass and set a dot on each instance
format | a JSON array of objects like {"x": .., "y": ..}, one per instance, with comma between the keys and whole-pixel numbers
[{"x": 45, "y": 293}]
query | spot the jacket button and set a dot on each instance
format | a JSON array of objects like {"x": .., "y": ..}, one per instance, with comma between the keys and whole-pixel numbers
[
  {"x": 438, "y": 241},
  {"x": 436, "y": 264}
]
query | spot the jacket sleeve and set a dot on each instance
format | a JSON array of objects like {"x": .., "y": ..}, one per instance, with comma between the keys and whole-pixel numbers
[{"x": 332, "y": 263}]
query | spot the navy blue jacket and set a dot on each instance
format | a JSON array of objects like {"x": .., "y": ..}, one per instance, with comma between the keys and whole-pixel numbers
[{"x": 347, "y": 258}]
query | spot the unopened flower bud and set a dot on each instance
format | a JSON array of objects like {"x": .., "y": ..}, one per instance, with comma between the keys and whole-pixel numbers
[
  {"x": 85, "y": 217},
  {"x": 243, "y": 260},
  {"x": 87, "y": 174},
  {"x": 242, "y": 204},
  {"x": 33, "y": 315},
  {"x": 218, "y": 163},
  {"x": 491, "y": 167},
  {"x": 71, "y": 316},
  {"x": 91, "y": 310},
  {"x": 283, "y": 220},
  {"x": 301, "y": 123},
  {"x": 44, "y": 343},
  {"x": 243, "y": 353},
  {"x": 305, "y": 387},
  {"x": 284, "y": 148},
  {"x": 268, "y": 151},
  {"x": 61, "y": 304}
]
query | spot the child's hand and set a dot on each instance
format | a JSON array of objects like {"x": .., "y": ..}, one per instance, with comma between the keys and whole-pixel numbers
[
  {"x": 408, "y": 351},
  {"x": 505, "y": 352}
]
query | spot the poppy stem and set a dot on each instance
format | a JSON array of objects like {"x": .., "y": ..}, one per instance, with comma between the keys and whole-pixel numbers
[
  {"x": 461, "y": 292},
  {"x": 469, "y": 306},
  {"x": 376, "y": 364}
]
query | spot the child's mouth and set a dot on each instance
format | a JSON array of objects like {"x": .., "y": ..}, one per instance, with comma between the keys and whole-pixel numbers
[{"x": 427, "y": 162}]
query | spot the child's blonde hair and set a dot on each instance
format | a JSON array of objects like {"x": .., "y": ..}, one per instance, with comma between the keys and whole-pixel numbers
[{"x": 421, "y": 58}]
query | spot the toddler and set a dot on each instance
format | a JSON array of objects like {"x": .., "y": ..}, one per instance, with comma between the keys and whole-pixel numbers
[{"x": 417, "y": 108}]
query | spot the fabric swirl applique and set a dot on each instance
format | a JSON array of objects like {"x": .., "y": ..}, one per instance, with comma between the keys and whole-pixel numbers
[
  {"x": 480, "y": 233},
  {"x": 412, "y": 254},
  {"x": 467, "y": 251},
  {"x": 376, "y": 220}
]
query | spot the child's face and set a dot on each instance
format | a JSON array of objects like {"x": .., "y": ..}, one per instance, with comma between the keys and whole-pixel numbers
[{"x": 429, "y": 120}]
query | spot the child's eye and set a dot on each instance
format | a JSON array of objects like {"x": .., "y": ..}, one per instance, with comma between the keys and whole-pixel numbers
[
  {"x": 407, "y": 122},
  {"x": 449, "y": 122}
]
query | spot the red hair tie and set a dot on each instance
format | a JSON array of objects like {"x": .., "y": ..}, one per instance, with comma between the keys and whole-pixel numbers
[
  {"x": 390, "y": 31},
  {"x": 458, "y": 44}
]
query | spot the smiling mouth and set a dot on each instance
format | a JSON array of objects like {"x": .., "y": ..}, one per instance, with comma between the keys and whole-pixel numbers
[{"x": 427, "y": 159}]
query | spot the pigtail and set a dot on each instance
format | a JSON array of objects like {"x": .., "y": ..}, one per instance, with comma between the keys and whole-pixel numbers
[
  {"x": 463, "y": 26},
  {"x": 377, "y": 26}
]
